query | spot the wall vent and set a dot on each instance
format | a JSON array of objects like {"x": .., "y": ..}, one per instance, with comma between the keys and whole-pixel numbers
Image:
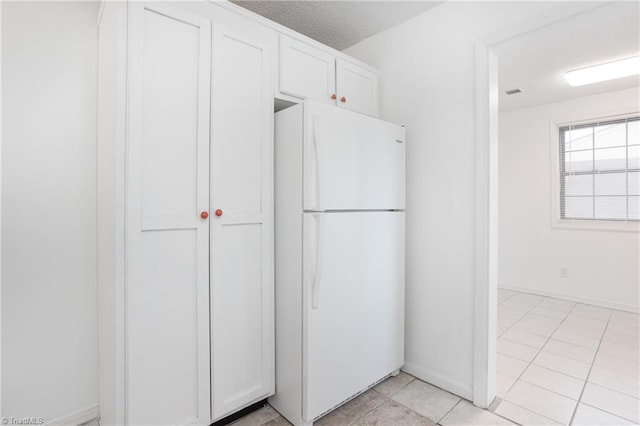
[{"x": 513, "y": 91}]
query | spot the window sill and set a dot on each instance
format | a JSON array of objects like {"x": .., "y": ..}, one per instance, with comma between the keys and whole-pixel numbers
[{"x": 596, "y": 225}]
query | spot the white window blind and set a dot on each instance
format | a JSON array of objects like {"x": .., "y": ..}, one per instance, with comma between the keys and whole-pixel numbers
[{"x": 600, "y": 170}]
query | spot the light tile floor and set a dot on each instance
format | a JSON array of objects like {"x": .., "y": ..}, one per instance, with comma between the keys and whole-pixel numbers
[
  {"x": 398, "y": 401},
  {"x": 558, "y": 362},
  {"x": 562, "y": 362}
]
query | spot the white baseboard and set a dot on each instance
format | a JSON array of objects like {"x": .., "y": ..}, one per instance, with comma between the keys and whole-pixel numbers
[
  {"x": 77, "y": 417},
  {"x": 438, "y": 380},
  {"x": 618, "y": 306}
]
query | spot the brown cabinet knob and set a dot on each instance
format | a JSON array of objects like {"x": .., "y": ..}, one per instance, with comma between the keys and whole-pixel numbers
[
  {"x": 218, "y": 212},
  {"x": 343, "y": 100},
  {"x": 204, "y": 215},
  {"x": 334, "y": 96}
]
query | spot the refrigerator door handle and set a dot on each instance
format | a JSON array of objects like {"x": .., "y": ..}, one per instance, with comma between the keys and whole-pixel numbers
[
  {"x": 315, "y": 288},
  {"x": 318, "y": 160}
]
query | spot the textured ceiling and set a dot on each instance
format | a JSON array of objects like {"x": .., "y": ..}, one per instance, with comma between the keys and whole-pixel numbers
[
  {"x": 536, "y": 62},
  {"x": 339, "y": 24}
]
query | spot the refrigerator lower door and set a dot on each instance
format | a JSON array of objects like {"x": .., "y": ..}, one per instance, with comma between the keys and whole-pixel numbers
[
  {"x": 353, "y": 304},
  {"x": 352, "y": 161}
]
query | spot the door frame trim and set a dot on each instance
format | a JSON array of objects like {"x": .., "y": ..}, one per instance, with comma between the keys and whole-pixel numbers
[{"x": 486, "y": 196}]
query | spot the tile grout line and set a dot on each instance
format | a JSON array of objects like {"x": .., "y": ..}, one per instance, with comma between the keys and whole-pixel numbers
[
  {"x": 592, "y": 304},
  {"x": 437, "y": 422},
  {"x": 554, "y": 331},
  {"x": 588, "y": 373},
  {"x": 586, "y": 380},
  {"x": 529, "y": 363},
  {"x": 550, "y": 337},
  {"x": 607, "y": 386},
  {"x": 608, "y": 412},
  {"x": 514, "y": 293},
  {"x": 390, "y": 397},
  {"x": 503, "y": 417},
  {"x": 384, "y": 399},
  {"x": 450, "y": 410},
  {"x": 561, "y": 355},
  {"x": 555, "y": 371},
  {"x": 493, "y": 412},
  {"x": 539, "y": 351},
  {"x": 518, "y": 320},
  {"x": 519, "y": 378},
  {"x": 529, "y": 410},
  {"x": 614, "y": 390},
  {"x": 536, "y": 356},
  {"x": 407, "y": 384}
]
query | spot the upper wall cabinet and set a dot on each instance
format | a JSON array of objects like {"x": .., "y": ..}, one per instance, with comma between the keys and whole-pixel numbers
[
  {"x": 357, "y": 88},
  {"x": 306, "y": 72},
  {"x": 309, "y": 72}
]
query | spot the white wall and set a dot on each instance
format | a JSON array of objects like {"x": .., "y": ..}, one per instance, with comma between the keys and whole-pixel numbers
[
  {"x": 0, "y": 211},
  {"x": 49, "y": 319},
  {"x": 427, "y": 82},
  {"x": 603, "y": 266}
]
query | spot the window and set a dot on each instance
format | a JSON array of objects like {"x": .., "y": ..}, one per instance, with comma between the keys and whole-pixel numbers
[{"x": 600, "y": 170}]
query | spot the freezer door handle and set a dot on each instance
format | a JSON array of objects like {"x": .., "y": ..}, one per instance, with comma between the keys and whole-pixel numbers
[{"x": 315, "y": 284}]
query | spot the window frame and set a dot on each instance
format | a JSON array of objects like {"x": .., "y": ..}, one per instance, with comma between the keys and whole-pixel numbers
[{"x": 584, "y": 224}]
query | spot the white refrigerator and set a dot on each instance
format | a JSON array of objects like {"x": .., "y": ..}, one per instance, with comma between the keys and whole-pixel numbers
[{"x": 340, "y": 251}]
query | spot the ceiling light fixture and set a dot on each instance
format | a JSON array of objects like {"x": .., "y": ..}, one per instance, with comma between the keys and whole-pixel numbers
[{"x": 604, "y": 72}]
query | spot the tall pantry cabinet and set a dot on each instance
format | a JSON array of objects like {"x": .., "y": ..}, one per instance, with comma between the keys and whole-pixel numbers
[{"x": 185, "y": 226}]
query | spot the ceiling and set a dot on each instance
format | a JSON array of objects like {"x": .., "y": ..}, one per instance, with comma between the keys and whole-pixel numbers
[
  {"x": 536, "y": 62},
  {"x": 339, "y": 24}
]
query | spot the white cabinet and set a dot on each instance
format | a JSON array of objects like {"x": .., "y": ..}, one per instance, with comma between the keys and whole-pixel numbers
[
  {"x": 308, "y": 72},
  {"x": 242, "y": 325},
  {"x": 167, "y": 241},
  {"x": 357, "y": 87},
  {"x": 185, "y": 216},
  {"x": 185, "y": 202}
]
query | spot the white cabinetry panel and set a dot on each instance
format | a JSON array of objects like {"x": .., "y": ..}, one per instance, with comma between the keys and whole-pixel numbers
[
  {"x": 306, "y": 72},
  {"x": 170, "y": 116},
  {"x": 167, "y": 312},
  {"x": 242, "y": 237},
  {"x": 238, "y": 318},
  {"x": 237, "y": 138},
  {"x": 357, "y": 88},
  {"x": 163, "y": 337}
]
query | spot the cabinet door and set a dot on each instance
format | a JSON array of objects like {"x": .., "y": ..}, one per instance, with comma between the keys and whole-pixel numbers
[
  {"x": 242, "y": 321},
  {"x": 167, "y": 290},
  {"x": 306, "y": 72},
  {"x": 357, "y": 88}
]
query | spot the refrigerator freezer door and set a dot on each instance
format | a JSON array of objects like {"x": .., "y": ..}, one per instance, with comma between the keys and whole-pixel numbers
[
  {"x": 352, "y": 161},
  {"x": 353, "y": 304}
]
